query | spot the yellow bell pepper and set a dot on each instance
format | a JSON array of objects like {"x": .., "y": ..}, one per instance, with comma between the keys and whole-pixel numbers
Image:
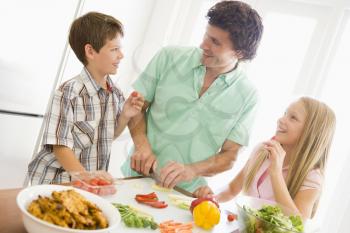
[{"x": 206, "y": 215}]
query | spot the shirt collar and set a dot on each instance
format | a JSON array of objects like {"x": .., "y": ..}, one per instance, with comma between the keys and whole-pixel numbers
[
  {"x": 228, "y": 77},
  {"x": 91, "y": 85}
]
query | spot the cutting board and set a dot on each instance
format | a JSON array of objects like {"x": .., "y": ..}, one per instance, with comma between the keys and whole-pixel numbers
[{"x": 127, "y": 189}]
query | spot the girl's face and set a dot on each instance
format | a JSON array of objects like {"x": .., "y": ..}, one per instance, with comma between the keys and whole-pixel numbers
[{"x": 290, "y": 126}]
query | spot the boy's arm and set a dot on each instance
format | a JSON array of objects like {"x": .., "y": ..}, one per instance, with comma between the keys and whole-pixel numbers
[
  {"x": 132, "y": 108},
  {"x": 67, "y": 159},
  {"x": 122, "y": 122}
]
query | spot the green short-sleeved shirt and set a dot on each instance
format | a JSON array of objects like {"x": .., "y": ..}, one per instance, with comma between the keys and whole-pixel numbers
[{"x": 183, "y": 127}]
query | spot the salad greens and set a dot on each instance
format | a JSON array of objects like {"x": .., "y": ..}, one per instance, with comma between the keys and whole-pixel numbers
[{"x": 275, "y": 221}]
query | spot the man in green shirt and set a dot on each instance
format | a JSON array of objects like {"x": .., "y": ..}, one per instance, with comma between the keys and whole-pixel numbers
[{"x": 199, "y": 104}]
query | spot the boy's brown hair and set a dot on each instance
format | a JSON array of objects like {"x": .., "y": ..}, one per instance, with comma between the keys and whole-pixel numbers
[{"x": 93, "y": 28}]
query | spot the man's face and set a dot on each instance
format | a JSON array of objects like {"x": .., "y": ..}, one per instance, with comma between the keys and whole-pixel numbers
[{"x": 217, "y": 48}]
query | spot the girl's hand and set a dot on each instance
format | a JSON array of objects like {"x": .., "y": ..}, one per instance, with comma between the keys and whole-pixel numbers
[
  {"x": 276, "y": 155},
  {"x": 133, "y": 105},
  {"x": 203, "y": 191}
]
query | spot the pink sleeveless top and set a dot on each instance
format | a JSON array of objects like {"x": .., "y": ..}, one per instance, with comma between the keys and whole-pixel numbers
[{"x": 261, "y": 186}]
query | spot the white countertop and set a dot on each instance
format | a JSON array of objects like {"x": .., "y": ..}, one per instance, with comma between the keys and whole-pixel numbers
[{"x": 127, "y": 190}]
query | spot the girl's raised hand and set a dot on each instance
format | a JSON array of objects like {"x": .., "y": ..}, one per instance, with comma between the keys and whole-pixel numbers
[{"x": 276, "y": 155}]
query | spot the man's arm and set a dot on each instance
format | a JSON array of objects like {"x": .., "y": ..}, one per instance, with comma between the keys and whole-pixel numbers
[
  {"x": 175, "y": 172},
  {"x": 221, "y": 162},
  {"x": 143, "y": 158}
]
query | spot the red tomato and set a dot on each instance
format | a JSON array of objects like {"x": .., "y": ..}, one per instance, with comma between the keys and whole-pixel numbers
[
  {"x": 103, "y": 182},
  {"x": 94, "y": 182},
  {"x": 77, "y": 184},
  {"x": 134, "y": 94},
  {"x": 231, "y": 217}
]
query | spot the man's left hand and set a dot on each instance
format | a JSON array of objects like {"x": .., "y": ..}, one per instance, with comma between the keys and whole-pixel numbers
[{"x": 174, "y": 173}]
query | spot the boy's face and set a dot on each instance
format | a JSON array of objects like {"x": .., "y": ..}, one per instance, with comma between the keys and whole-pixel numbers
[
  {"x": 106, "y": 61},
  {"x": 217, "y": 48}
]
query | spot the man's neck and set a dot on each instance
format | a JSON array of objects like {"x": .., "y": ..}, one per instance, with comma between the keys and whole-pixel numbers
[
  {"x": 216, "y": 71},
  {"x": 99, "y": 78}
]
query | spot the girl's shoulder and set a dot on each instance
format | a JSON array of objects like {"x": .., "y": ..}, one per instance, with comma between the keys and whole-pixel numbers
[{"x": 313, "y": 180}]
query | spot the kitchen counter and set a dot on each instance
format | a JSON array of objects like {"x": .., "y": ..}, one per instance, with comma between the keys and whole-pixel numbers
[{"x": 11, "y": 219}]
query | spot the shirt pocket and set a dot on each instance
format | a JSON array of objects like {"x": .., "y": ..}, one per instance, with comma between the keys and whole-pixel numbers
[{"x": 84, "y": 133}]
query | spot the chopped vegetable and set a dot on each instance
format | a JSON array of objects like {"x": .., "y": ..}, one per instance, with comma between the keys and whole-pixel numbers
[
  {"x": 231, "y": 217},
  {"x": 150, "y": 199},
  {"x": 159, "y": 188},
  {"x": 276, "y": 221},
  {"x": 180, "y": 201},
  {"x": 206, "y": 213},
  {"x": 135, "y": 218},
  {"x": 175, "y": 227},
  {"x": 134, "y": 94}
]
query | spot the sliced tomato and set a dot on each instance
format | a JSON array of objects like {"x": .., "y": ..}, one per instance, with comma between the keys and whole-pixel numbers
[
  {"x": 103, "y": 182},
  {"x": 94, "y": 182}
]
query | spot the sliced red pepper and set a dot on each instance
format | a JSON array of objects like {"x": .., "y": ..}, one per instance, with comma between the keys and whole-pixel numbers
[
  {"x": 152, "y": 195},
  {"x": 156, "y": 204},
  {"x": 143, "y": 199}
]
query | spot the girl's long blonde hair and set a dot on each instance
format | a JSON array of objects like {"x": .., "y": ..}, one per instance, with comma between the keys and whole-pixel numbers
[{"x": 311, "y": 150}]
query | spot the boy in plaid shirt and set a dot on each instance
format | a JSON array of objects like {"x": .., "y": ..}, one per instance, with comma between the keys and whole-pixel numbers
[{"x": 88, "y": 111}]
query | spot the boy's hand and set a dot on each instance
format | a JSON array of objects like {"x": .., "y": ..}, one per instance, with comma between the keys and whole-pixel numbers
[{"x": 133, "y": 105}]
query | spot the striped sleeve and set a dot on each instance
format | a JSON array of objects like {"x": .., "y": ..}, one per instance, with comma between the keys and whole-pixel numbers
[{"x": 59, "y": 121}]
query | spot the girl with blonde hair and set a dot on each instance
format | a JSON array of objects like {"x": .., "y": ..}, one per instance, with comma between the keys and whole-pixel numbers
[{"x": 289, "y": 168}]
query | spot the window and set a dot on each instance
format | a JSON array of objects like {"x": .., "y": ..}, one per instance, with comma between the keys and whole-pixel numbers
[
  {"x": 336, "y": 94},
  {"x": 32, "y": 43}
]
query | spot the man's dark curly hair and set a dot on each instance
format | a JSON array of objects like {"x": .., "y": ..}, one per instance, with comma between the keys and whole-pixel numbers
[{"x": 242, "y": 23}]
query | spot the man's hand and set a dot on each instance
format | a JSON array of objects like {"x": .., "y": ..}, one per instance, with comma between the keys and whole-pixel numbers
[
  {"x": 174, "y": 173},
  {"x": 143, "y": 160}
]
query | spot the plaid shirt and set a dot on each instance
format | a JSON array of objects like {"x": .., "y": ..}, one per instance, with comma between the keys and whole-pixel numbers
[{"x": 82, "y": 116}]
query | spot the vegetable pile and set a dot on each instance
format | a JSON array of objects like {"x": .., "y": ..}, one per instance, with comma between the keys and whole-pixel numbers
[
  {"x": 175, "y": 227},
  {"x": 96, "y": 185},
  {"x": 135, "y": 218},
  {"x": 275, "y": 221}
]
